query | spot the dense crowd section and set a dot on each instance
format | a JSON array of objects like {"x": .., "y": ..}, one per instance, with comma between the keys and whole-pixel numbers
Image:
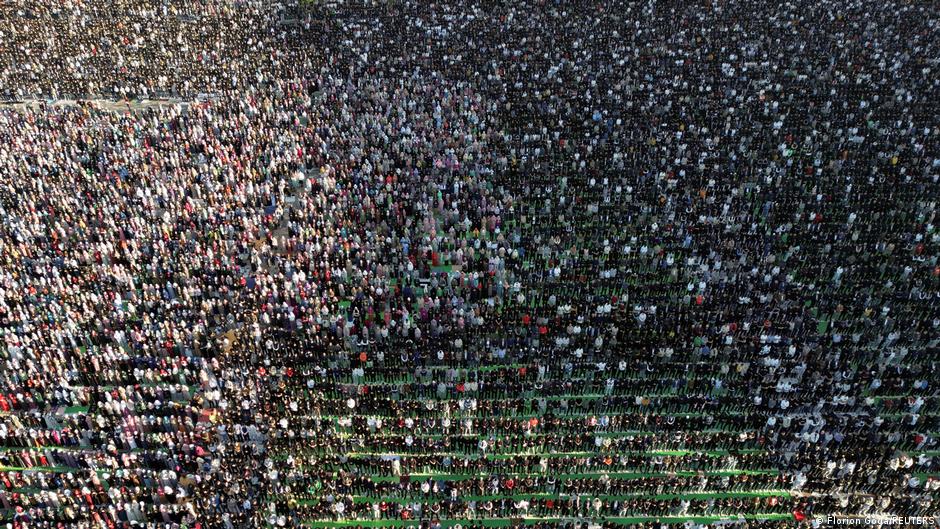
[
  {"x": 553, "y": 264},
  {"x": 75, "y": 49}
]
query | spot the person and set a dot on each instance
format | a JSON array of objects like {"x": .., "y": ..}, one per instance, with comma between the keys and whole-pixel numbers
[{"x": 330, "y": 256}]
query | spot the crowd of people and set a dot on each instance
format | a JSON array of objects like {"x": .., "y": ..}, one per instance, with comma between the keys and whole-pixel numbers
[{"x": 462, "y": 264}]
